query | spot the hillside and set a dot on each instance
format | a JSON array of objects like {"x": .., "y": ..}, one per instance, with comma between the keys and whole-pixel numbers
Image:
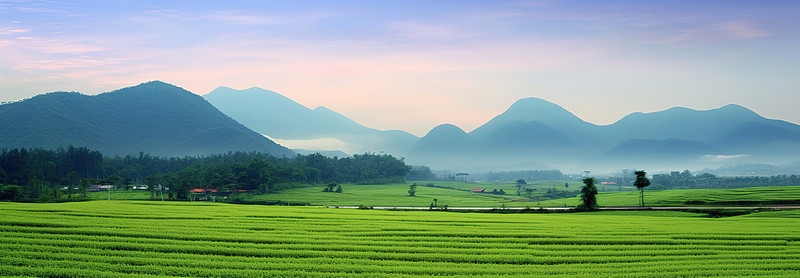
[{"x": 154, "y": 117}]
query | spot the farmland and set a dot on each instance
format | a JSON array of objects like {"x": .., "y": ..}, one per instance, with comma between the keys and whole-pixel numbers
[
  {"x": 129, "y": 238},
  {"x": 750, "y": 196},
  {"x": 397, "y": 195}
]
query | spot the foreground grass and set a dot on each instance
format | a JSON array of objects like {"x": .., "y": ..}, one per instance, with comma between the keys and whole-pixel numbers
[
  {"x": 749, "y": 196},
  {"x": 119, "y": 238}
]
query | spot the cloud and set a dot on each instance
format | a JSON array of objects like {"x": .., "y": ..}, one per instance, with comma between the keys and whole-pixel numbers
[
  {"x": 231, "y": 17},
  {"x": 321, "y": 144},
  {"x": 722, "y": 158},
  {"x": 418, "y": 31},
  {"x": 742, "y": 29}
]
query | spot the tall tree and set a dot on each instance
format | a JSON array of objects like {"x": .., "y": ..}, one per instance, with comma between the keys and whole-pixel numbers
[
  {"x": 520, "y": 184},
  {"x": 640, "y": 183},
  {"x": 588, "y": 194}
]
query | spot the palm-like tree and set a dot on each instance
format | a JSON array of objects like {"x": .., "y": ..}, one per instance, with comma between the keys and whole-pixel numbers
[{"x": 640, "y": 183}]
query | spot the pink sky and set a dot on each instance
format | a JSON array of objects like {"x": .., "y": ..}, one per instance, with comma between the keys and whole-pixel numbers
[{"x": 414, "y": 65}]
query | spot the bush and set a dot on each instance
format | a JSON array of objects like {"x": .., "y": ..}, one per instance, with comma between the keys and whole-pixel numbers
[{"x": 10, "y": 192}]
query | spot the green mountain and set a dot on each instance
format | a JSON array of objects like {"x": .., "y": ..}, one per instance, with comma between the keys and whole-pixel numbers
[{"x": 153, "y": 117}]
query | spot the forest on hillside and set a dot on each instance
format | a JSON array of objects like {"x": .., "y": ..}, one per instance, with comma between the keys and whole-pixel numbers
[{"x": 40, "y": 175}]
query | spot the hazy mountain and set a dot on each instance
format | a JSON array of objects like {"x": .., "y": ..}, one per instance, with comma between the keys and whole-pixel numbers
[
  {"x": 444, "y": 138},
  {"x": 153, "y": 117},
  {"x": 279, "y": 117},
  {"x": 754, "y": 135},
  {"x": 659, "y": 148},
  {"x": 535, "y": 131},
  {"x": 531, "y": 136},
  {"x": 652, "y": 154},
  {"x": 699, "y": 125},
  {"x": 546, "y": 113}
]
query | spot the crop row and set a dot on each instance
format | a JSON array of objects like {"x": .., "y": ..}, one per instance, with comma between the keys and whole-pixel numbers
[
  {"x": 184, "y": 239},
  {"x": 182, "y": 267}
]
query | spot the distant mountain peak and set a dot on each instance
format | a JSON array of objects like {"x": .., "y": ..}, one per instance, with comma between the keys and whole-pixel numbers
[
  {"x": 534, "y": 103},
  {"x": 446, "y": 128},
  {"x": 322, "y": 109},
  {"x": 542, "y": 111},
  {"x": 735, "y": 108}
]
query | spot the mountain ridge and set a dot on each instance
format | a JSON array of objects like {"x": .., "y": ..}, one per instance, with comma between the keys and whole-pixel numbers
[
  {"x": 153, "y": 117},
  {"x": 283, "y": 118}
]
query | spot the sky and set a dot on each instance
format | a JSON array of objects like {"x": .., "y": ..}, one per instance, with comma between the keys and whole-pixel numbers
[{"x": 413, "y": 65}]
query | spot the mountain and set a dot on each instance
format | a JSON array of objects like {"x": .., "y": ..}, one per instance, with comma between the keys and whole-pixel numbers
[
  {"x": 279, "y": 117},
  {"x": 652, "y": 148},
  {"x": 679, "y": 122},
  {"x": 444, "y": 138},
  {"x": 533, "y": 131},
  {"x": 545, "y": 113},
  {"x": 526, "y": 137},
  {"x": 751, "y": 135},
  {"x": 652, "y": 154},
  {"x": 153, "y": 117}
]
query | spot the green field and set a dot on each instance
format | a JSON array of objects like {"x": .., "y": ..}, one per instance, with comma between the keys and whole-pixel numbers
[
  {"x": 748, "y": 196},
  {"x": 397, "y": 195},
  {"x": 389, "y": 195},
  {"x": 124, "y": 238}
]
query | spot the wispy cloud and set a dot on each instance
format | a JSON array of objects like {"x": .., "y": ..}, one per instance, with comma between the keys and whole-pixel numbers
[
  {"x": 231, "y": 16},
  {"x": 742, "y": 29},
  {"x": 419, "y": 31}
]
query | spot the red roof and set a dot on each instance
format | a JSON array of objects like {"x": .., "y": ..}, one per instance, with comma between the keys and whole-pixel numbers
[
  {"x": 477, "y": 189},
  {"x": 201, "y": 190}
]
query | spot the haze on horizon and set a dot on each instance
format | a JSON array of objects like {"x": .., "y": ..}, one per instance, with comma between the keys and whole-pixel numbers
[{"x": 412, "y": 65}]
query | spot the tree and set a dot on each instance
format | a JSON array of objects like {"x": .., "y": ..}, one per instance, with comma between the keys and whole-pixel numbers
[
  {"x": 520, "y": 183},
  {"x": 10, "y": 192},
  {"x": 330, "y": 187},
  {"x": 338, "y": 189},
  {"x": 588, "y": 194},
  {"x": 72, "y": 180},
  {"x": 640, "y": 183},
  {"x": 151, "y": 182},
  {"x": 412, "y": 190},
  {"x": 529, "y": 191}
]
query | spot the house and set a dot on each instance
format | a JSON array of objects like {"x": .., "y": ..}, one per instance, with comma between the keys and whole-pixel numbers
[
  {"x": 478, "y": 190},
  {"x": 201, "y": 190}
]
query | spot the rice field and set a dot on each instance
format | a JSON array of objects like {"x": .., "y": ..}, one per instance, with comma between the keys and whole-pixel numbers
[
  {"x": 130, "y": 238},
  {"x": 747, "y": 196},
  {"x": 397, "y": 195}
]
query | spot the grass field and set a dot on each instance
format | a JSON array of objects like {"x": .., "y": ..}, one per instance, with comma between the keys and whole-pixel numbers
[
  {"x": 122, "y": 195},
  {"x": 752, "y": 196},
  {"x": 397, "y": 195},
  {"x": 389, "y": 195},
  {"x": 125, "y": 238}
]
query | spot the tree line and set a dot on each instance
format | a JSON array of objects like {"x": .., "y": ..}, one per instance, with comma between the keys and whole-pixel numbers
[
  {"x": 686, "y": 180},
  {"x": 40, "y": 175}
]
